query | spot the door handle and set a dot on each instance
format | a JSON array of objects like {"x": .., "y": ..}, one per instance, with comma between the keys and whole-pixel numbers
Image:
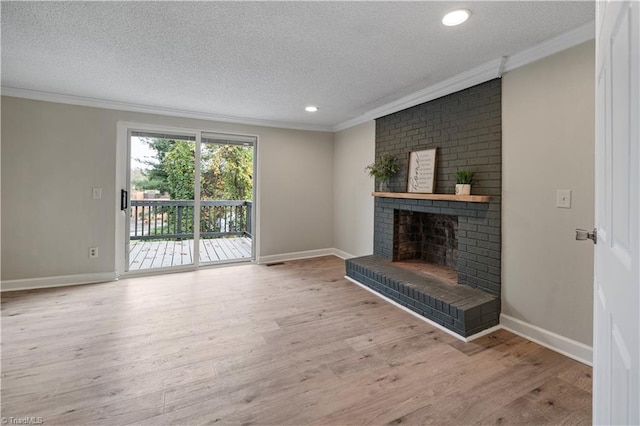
[
  {"x": 124, "y": 199},
  {"x": 583, "y": 234}
]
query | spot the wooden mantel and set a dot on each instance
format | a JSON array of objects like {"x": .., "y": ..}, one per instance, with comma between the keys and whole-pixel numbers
[{"x": 441, "y": 197}]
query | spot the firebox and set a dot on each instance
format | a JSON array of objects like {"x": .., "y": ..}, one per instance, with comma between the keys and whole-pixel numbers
[{"x": 425, "y": 237}]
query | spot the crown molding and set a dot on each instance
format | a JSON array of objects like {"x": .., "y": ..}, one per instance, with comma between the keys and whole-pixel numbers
[
  {"x": 554, "y": 45},
  {"x": 477, "y": 75},
  {"x": 480, "y": 74},
  {"x": 148, "y": 109}
]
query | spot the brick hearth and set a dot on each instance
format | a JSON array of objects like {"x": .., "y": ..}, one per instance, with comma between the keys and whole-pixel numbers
[{"x": 461, "y": 309}]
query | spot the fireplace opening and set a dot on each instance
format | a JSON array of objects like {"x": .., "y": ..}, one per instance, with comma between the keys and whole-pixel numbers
[{"x": 426, "y": 243}]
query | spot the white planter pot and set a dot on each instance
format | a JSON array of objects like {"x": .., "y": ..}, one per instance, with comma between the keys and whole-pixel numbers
[{"x": 463, "y": 189}]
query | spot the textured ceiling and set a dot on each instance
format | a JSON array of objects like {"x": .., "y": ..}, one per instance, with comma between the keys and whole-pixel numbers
[{"x": 263, "y": 60}]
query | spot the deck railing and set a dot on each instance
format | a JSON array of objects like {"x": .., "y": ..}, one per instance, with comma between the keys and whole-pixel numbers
[{"x": 173, "y": 219}]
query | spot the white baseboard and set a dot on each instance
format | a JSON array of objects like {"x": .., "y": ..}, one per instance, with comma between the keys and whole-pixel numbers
[
  {"x": 60, "y": 281},
  {"x": 303, "y": 255},
  {"x": 342, "y": 254},
  {"x": 427, "y": 320},
  {"x": 568, "y": 347}
]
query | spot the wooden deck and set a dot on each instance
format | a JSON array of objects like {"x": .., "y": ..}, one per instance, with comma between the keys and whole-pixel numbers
[{"x": 159, "y": 254}]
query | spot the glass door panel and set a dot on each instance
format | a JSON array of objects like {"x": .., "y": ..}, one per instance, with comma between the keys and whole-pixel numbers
[
  {"x": 226, "y": 198},
  {"x": 161, "y": 209}
]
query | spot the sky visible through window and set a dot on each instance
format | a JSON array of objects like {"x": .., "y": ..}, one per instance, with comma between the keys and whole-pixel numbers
[{"x": 140, "y": 151}]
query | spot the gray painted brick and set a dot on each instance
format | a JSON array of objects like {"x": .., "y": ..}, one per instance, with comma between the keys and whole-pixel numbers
[{"x": 466, "y": 128}]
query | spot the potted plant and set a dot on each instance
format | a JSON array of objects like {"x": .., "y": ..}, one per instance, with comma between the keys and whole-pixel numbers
[
  {"x": 383, "y": 170},
  {"x": 463, "y": 182}
]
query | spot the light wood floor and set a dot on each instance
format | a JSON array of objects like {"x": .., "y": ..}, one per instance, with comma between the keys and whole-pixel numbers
[{"x": 267, "y": 345}]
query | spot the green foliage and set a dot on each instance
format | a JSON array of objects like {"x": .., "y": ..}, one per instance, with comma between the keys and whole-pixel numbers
[
  {"x": 156, "y": 177},
  {"x": 180, "y": 171},
  {"x": 464, "y": 176},
  {"x": 226, "y": 173},
  {"x": 383, "y": 168}
]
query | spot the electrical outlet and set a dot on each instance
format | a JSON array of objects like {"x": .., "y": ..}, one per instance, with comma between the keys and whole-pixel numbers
[
  {"x": 93, "y": 252},
  {"x": 563, "y": 198}
]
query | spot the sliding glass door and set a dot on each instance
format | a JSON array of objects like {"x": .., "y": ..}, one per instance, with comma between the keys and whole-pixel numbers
[{"x": 179, "y": 216}]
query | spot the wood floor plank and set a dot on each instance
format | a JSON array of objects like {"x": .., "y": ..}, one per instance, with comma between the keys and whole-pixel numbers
[
  {"x": 579, "y": 376},
  {"x": 289, "y": 344},
  {"x": 408, "y": 404},
  {"x": 135, "y": 255},
  {"x": 554, "y": 402},
  {"x": 222, "y": 249},
  {"x": 220, "y": 253},
  {"x": 207, "y": 254},
  {"x": 242, "y": 245},
  {"x": 148, "y": 253},
  {"x": 233, "y": 246},
  {"x": 188, "y": 248},
  {"x": 167, "y": 253}
]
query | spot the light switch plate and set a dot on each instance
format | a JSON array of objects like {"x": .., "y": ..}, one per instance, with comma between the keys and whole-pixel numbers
[
  {"x": 563, "y": 199},
  {"x": 97, "y": 193}
]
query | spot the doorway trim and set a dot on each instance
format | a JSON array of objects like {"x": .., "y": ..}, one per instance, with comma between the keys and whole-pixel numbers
[{"x": 122, "y": 179}]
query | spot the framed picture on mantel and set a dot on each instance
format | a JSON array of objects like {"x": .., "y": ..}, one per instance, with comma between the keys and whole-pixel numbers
[{"x": 421, "y": 171}]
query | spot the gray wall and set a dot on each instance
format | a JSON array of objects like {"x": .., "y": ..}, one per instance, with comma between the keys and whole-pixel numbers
[
  {"x": 352, "y": 187},
  {"x": 54, "y": 154},
  {"x": 548, "y": 144}
]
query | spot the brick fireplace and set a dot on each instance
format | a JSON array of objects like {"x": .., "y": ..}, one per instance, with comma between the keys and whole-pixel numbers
[{"x": 457, "y": 236}]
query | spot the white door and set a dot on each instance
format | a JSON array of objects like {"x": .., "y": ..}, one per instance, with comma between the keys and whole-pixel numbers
[{"x": 616, "y": 348}]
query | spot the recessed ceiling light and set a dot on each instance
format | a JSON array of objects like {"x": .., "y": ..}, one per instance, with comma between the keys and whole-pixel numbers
[
  {"x": 456, "y": 17},
  {"x": 311, "y": 108}
]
